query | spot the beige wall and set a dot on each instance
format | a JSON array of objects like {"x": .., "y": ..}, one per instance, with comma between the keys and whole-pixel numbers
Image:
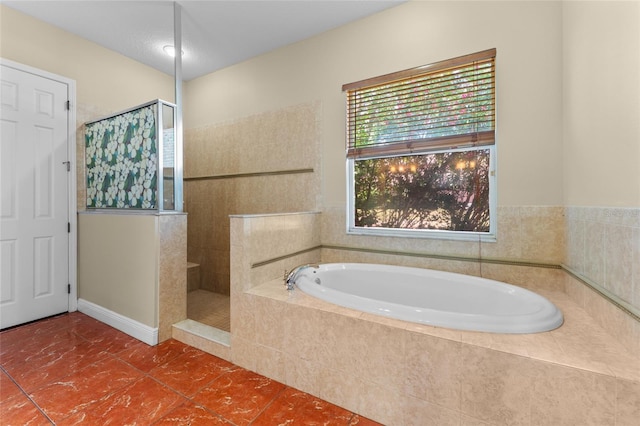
[
  {"x": 410, "y": 35},
  {"x": 104, "y": 78},
  {"x": 601, "y": 103},
  {"x": 135, "y": 265},
  {"x": 118, "y": 264}
]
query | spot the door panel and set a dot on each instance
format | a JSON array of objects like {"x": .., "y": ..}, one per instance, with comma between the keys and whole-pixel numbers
[{"x": 34, "y": 239}]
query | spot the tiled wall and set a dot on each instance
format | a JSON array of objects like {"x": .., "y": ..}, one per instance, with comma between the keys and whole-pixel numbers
[
  {"x": 603, "y": 246},
  {"x": 599, "y": 245},
  {"x": 531, "y": 234},
  {"x": 603, "y": 250},
  {"x": 576, "y": 374},
  {"x": 266, "y": 163},
  {"x": 172, "y": 277}
]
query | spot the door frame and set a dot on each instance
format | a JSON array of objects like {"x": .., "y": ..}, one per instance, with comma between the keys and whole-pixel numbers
[{"x": 72, "y": 176}]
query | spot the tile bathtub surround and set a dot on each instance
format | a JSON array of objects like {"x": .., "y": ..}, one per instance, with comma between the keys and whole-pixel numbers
[
  {"x": 72, "y": 369},
  {"x": 603, "y": 246},
  {"x": 524, "y": 233},
  {"x": 412, "y": 374},
  {"x": 577, "y": 374},
  {"x": 615, "y": 321},
  {"x": 600, "y": 244}
]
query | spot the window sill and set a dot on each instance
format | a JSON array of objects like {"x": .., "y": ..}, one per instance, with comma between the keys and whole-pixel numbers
[{"x": 424, "y": 234}]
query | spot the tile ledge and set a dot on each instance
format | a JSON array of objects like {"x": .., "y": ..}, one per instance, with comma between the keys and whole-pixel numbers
[{"x": 205, "y": 331}]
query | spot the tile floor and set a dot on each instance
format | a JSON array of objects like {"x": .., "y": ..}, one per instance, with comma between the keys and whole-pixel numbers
[
  {"x": 71, "y": 369},
  {"x": 209, "y": 308}
]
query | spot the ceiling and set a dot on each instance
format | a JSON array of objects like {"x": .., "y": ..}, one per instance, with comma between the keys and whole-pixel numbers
[{"x": 215, "y": 33}]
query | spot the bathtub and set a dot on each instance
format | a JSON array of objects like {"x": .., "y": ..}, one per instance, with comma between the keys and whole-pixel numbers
[{"x": 431, "y": 297}]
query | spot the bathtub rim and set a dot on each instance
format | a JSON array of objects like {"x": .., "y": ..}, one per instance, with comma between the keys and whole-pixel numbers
[{"x": 547, "y": 318}]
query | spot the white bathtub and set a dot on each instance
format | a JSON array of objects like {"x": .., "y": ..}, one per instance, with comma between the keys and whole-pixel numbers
[{"x": 431, "y": 297}]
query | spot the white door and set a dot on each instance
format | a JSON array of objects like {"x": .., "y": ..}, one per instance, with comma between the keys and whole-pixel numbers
[{"x": 34, "y": 185}]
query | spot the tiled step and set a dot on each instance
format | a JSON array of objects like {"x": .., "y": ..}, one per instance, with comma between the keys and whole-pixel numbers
[{"x": 193, "y": 276}]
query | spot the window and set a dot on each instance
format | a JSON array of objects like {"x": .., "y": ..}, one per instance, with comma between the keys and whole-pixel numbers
[{"x": 420, "y": 150}]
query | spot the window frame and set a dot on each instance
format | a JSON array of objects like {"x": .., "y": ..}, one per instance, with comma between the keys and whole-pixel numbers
[{"x": 351, "y": 228}]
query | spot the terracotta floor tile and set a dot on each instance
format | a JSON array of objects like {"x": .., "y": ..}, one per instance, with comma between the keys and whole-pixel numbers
[
  {"x": 83, "y": 387},
  {"x": 292, "y": 405},
  {"x": 8, "y": 388},
  {"x": 20, "y": 348},
  {"x": 79, "y": 371},
  {"x": 54, "y": 364},
  {"x": 109, "y": 339},
  {"x": 191, "y": 371},
  {"x": 90, "y": 328},
  {"x": 39, "y": 329},
  {"x": 192, "y": 415},
  {"x": 140, "y": 403},
  {"x": 239, "y": 396},
  {"x": 145, "y": 357},
  {"x": 19, "y": 411}
]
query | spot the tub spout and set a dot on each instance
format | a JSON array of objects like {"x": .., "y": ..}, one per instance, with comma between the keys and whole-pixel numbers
[{"x": 291, "y": 276}]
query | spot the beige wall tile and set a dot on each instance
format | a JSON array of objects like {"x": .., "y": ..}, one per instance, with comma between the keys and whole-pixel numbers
[
  {"x": 271, "y": 363},
  {"x": 606, "y": 254},
  {"x": 496, "y": 387},
  {"x": 271, "y": 324},
  {"x": 269, "y": 142},
  {"x": 302, "y": 374},
  {"x": 618, "y": 261},
  {"x": 433, "y": 370},
  {"x": 302, "y": 336},
  {"x": 172, "y": 306},
  {"x": 635, "y": 265},
  {"x": 570, "y": 396},
  {"x": 344, "y": 389},
  {"x": 243, "y": 353},
  {"x": 530, "y": 233},
  {"x": 383, "y": 403},
  {"x": 243, "y": 316},
  {"x": 627, "y": 402},
  {"x": 381, "y": 348},
  {"x": 417, "y": 412},
  {"x": 470, "y": 421}
]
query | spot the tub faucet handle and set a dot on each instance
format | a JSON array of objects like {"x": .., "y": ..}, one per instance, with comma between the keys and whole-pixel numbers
[{"x": 291, "y": 276}]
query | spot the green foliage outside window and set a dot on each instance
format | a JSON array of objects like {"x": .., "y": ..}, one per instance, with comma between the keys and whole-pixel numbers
[{"x": 443, "y": 191}]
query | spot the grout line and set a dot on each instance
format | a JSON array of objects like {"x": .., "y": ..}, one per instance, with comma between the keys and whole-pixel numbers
[
  {"x": 276, "y": 396},
  {"x": 35, "y": 404}
]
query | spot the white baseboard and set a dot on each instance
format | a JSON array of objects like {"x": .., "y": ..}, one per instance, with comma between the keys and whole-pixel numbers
[{"x": 133, "y": 328}]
